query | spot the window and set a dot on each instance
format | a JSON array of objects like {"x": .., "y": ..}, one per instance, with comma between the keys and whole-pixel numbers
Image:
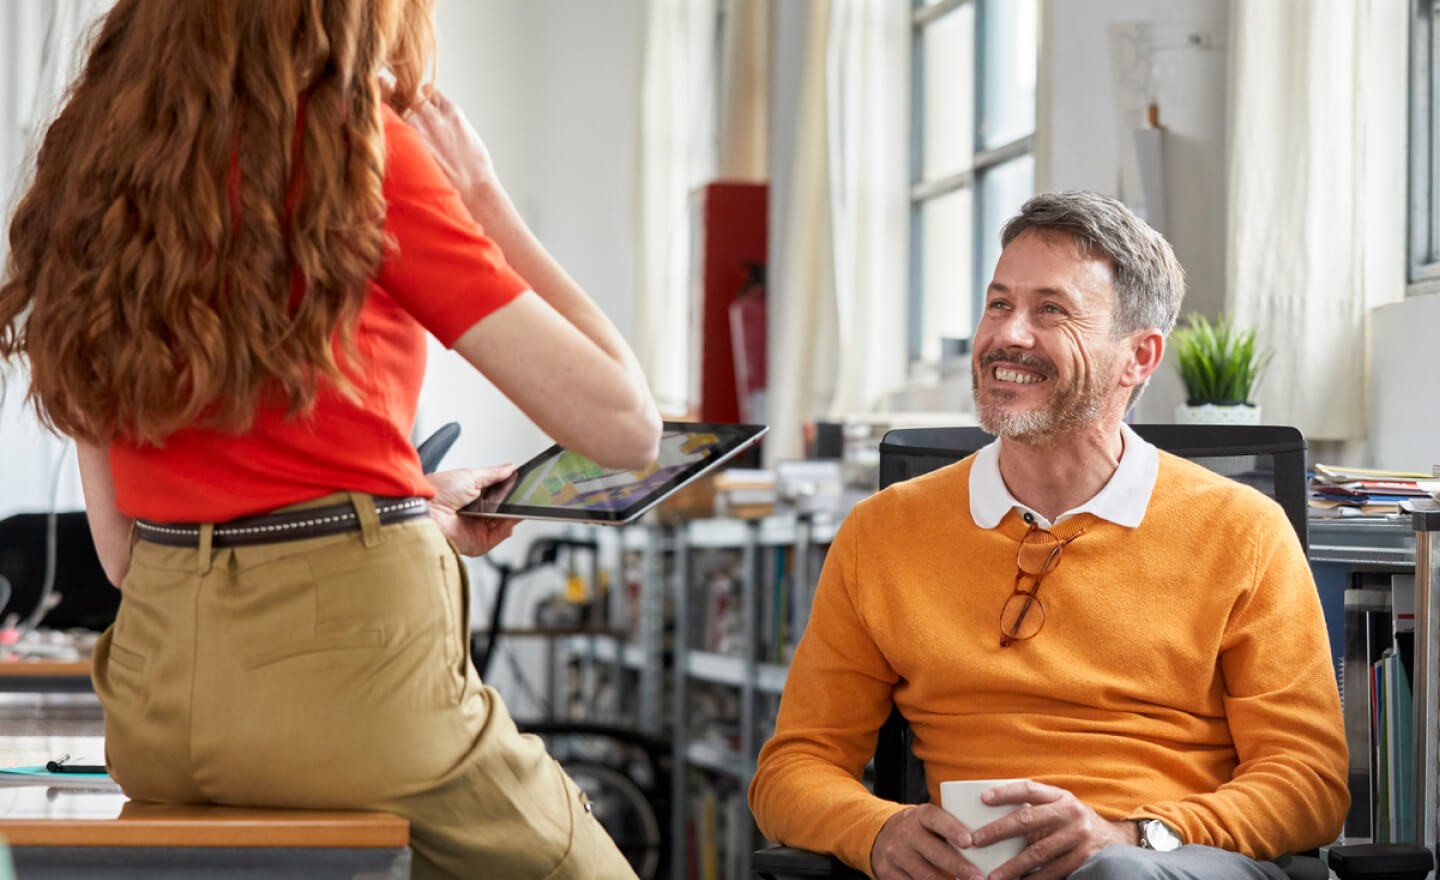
[
  {"x": 972, "y": 164},
  {"x": 1424, "y": 245}
]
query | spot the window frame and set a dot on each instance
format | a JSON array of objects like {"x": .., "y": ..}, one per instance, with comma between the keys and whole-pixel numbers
[
  {"x": 1423, "y": 192},
  {"x": 984, "y": 160}
]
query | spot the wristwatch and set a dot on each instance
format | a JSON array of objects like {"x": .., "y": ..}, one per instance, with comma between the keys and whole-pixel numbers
[{"x": 1158, "y": 836}]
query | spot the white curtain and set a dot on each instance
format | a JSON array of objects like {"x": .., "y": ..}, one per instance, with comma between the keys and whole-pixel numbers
[
  {"x": 744, "y": 135},
  {"x": 838, "y": 294},
  {"x": 1317, "y": 196},
  {"x": 42, "y": 45},
  {"x": 677, "y": 154}
]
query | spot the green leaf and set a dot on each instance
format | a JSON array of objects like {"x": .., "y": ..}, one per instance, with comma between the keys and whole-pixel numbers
[{"x": 1218, "y": 362}]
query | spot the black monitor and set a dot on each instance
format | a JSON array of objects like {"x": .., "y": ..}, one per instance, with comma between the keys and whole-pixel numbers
[{"x": 87, "y": 599}]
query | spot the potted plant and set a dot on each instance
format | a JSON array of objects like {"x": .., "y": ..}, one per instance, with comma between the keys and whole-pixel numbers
[{"x": 1220, "y": 365}]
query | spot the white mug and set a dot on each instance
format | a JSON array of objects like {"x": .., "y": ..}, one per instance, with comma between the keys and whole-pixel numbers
[{"x": 961, "y": 799}]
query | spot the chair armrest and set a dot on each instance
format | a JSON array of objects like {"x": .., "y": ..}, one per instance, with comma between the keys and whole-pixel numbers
[
  {"x": 789, "y": 863},
  {"x": 1381, "y": 861}
]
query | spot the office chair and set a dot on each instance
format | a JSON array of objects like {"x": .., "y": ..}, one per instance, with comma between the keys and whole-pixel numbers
[
  {"x": 36, "y": 548},
  {"x": 1235, "y": 450}
]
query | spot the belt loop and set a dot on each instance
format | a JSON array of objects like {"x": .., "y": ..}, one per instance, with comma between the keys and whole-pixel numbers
[
  {"x": 207, "y": 535},
  {"x": 368, "y": 516}
]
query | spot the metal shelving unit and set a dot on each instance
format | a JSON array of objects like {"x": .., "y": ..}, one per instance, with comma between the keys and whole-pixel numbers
[
  {"x": 752, "y": 677},
  {"x": 1404, "y": 544},
  {"x": 660, "y": 680}
]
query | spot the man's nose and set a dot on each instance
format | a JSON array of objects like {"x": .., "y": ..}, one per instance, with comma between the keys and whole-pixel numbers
[{"x": 1013, "y": 330}]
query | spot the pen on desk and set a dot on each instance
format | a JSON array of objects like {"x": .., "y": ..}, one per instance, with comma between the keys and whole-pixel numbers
[{"x": 59, "y": 765}]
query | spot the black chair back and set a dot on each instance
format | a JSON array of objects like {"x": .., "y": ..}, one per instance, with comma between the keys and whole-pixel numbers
[{"x": 1269, "y": 457}]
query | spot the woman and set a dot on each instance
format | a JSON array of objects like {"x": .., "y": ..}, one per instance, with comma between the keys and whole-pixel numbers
[{"x": 222, "y": 276}]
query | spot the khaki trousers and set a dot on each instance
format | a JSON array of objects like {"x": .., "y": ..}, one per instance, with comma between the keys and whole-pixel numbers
[{"x": 334, "y": 673}]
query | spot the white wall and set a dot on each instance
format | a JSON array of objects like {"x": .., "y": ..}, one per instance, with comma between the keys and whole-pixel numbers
[
  {"x": 553, "y": 87},
  {"x": 1083, "y": 119},
  {"x": 1404, "y": 397},
  {"x": 37, "y": 468}
]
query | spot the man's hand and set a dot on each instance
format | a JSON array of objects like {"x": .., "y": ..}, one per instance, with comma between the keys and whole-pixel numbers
[
  {"x": 472, "y": 536},
  {"x": 1063, "y": 832},
  {"x": 917, "y": 843}
]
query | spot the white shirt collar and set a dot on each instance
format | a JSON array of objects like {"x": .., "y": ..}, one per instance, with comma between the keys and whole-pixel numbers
[{"x": 1122, "y": 500}]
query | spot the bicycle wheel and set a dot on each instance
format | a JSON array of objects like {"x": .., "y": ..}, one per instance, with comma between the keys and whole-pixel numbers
[{"x": 624, "y": 810}]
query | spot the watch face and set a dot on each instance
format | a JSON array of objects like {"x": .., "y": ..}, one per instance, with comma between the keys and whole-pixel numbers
[{"x": 1159, "y": 836}]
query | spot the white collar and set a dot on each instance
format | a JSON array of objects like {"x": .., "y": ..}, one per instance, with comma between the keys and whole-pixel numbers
[{"x": 1122, "y": 500}]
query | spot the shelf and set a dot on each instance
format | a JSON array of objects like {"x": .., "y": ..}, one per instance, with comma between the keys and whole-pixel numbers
[
  {"x": 632, "y": 656},
  {"x": 719, "y": 533},
  {"x": 714, "y": 756},
  {"x": 724, "y": 669},
  {"x": 1387, "y": 542}
]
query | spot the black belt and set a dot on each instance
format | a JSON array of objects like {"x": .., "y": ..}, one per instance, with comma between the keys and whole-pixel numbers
[{"x": 293, "y": 525}]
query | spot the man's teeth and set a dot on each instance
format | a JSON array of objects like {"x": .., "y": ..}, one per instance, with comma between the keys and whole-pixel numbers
[{"x": 1005, "y": 375}]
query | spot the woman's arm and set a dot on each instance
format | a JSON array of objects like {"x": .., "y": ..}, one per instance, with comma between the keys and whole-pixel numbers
[
  {"x": 582, "y": 385},
  {"x": 109, "y": 528}
]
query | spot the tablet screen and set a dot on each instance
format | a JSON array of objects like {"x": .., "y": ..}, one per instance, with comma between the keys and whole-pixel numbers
[{"x": 559, "y": 484}]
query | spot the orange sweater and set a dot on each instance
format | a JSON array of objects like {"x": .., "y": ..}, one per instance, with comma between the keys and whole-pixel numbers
[{"x": 1182, "y": 673}]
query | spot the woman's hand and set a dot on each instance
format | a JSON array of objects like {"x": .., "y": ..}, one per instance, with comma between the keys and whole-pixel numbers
[
  {"x": 457, "y": 147},
  {"x": 472, "y": 536}
]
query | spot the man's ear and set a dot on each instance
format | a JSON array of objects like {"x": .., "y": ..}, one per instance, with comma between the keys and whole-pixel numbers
[{"x": 1146, "y": 351}]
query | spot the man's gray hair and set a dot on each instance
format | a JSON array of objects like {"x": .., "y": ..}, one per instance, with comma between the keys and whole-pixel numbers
[{"x": 1149, "y": 282}]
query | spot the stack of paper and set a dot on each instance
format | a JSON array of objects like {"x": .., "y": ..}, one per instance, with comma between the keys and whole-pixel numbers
[{"x": 1362, "y": 492}]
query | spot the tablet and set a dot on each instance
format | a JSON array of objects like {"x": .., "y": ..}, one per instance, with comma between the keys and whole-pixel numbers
[{"x": 561, "y": 485}]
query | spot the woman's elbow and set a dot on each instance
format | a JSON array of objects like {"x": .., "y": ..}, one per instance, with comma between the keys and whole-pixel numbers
[{"x": 632, "y": 444}]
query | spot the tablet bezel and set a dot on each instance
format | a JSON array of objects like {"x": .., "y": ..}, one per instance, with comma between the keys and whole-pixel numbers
[{"x": 735, "y": 438}]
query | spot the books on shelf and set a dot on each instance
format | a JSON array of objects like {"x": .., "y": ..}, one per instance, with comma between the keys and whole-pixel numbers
[{"x": 1394, "y": 754}]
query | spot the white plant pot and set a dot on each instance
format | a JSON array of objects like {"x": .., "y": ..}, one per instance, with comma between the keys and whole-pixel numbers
[{"x": 1210, "y": 414}]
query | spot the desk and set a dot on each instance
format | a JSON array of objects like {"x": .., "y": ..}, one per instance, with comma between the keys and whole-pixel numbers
[
  {"x": 45, "y": 676},
  {"x": 76, "y": 832},
  {"x": 92, "y": 830}
]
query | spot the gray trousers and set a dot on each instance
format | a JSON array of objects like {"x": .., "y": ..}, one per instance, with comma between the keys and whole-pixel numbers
[{"x": 1186, "y": 863}]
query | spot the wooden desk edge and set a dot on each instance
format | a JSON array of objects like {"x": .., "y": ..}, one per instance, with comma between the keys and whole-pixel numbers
[
  {"x": 57, "y": 668},
  {"x": 205, "y": 829}
]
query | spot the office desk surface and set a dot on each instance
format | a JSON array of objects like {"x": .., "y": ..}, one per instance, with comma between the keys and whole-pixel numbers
[
  {"x": 39, "y": 816},
  {"x": 45, "y": 676},
  {"x": 85, "y": 814}
]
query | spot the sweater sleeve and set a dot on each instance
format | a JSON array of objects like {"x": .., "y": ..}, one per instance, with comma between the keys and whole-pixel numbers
[
  {"x": 1288, "y": 792},
  {"x": 807, "y": 790}
]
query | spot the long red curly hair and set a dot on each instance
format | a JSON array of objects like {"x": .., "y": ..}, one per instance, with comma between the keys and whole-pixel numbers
[{"x": 205, "y": 212}]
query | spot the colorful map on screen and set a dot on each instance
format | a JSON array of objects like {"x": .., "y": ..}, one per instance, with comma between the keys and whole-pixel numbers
[{"x": 568, "y": 480}]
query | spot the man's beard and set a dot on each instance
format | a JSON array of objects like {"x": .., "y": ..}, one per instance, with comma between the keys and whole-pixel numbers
[{"x": 1068, "y": 407}]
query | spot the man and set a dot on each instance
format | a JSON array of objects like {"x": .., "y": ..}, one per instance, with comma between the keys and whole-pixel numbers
[{"x": 1169, "y": 685}]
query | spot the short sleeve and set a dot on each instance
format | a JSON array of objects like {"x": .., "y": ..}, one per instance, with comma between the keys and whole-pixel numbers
[{"x": 441, "y": 268}]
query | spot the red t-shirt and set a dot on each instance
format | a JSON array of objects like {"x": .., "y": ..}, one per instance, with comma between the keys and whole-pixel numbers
[{"x": 443, "y": 276}]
